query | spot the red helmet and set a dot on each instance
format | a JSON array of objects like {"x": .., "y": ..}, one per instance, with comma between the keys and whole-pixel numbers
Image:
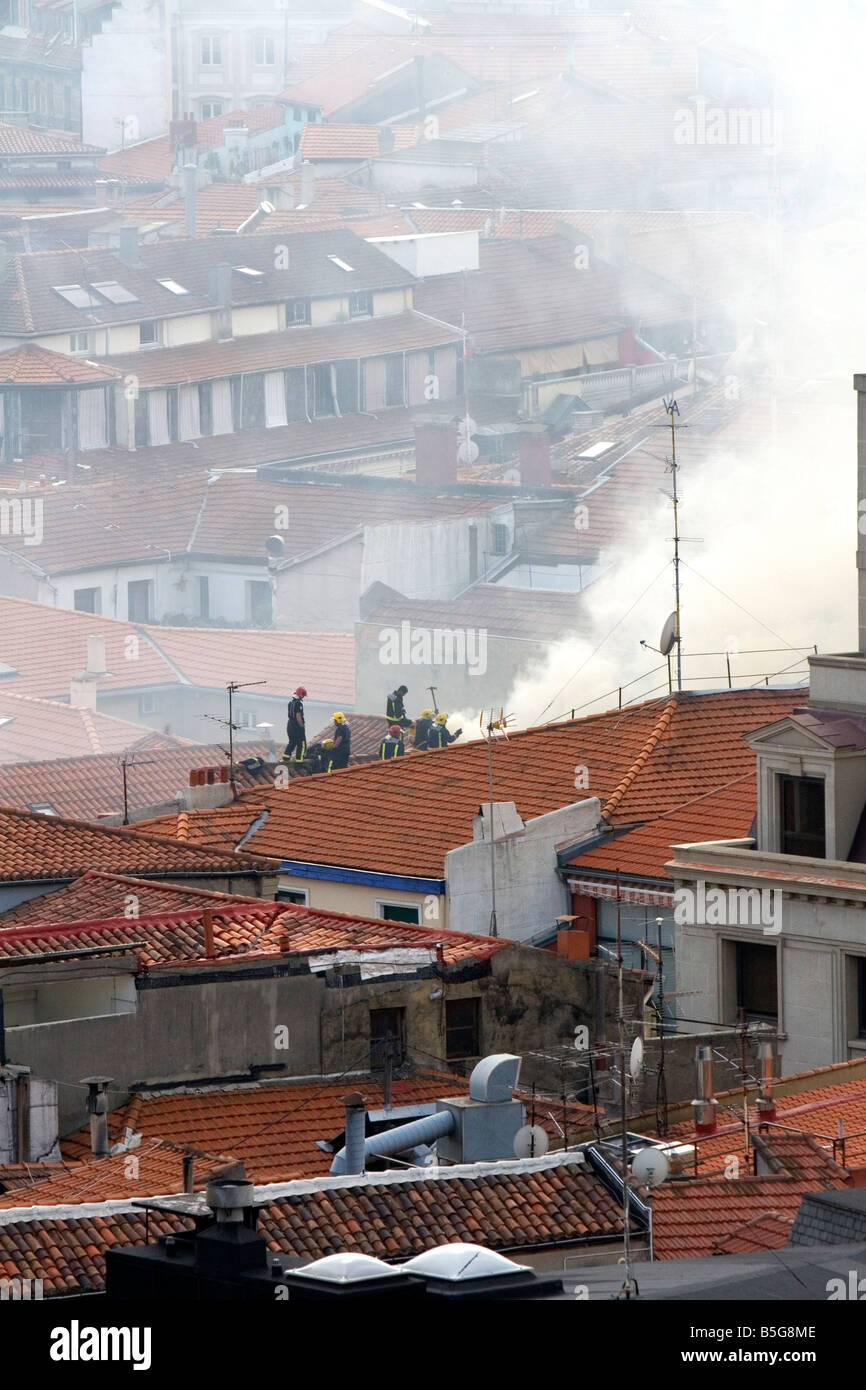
[
  {"x": 395, "y": 729},
  {"x": 300, "y": 691}
]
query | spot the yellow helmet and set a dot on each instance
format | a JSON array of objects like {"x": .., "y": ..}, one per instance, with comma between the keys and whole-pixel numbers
[
  {"x": 339, "y": 717},
  {"x": 327, "y": 743},
  {"x": 426, "y": 714},
  {"x": 442, "y": 719}
]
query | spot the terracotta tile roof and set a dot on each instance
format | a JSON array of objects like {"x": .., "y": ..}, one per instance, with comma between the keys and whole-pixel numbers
[
  {"x": 250, "y": 928},
  {"x": 261, "y": 352},
  {"x": 367, "y": 732},
  {"x": 365, "y": 808},
  {"x": 32, "y": 365},
  {"x": 222, "y": 205},
  {"x": 91, "y": 787},
  {"x": 330, "y": 140},
  {"x": 154, "y": 159},
  {"x": 509, "y": 1207},
  {"x": 159, "y": 1171},
  {"x": 531, "y": 615},
  {"x": 35, "y": 847},
  {"x": 223, "y": 828},
  {"x": 97, "y": 895},
  {"x": 769, "y": 1231},
  {"x": 19, "y": 139},
  {"x": 691, "y": 1217},
  {"x": 343, "y": 79},
  {"x": 34, "y": 729},
  {"x": 209, "y": 656}
]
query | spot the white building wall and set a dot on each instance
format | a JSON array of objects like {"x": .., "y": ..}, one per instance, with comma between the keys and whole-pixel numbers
[
  {"x": 125, "y": 77},
  {"x": 428, "y": 560}
]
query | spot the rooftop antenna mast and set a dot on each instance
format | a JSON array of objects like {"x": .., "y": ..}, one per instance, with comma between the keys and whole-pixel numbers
[
  {"x": 125, "y": 762},
  {"x": 493, "y": 726},
  {"x": 231, "y": 688},
  {"x": 672, "y": 410}
]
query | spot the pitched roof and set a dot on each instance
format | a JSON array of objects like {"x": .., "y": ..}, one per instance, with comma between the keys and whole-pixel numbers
[
  {"x": 158, "y": 1169},
  {"x": 691, "y": 1218},
  {"x": 650, "y": 758},
  {"x": 510, "y": 1206},
  {"x": 18, "y": 139},
  {"x": 91, "y": 787},
  {"x": 224, "y": 828},
  {"x": 537, "y": 616},
  {"x": 209, "y": 656},
  {"x": 330, "y": 140},
  {"x": 154, "y": 159},
  {"x": 36, "y": 848},
  {"x": 32, "y": 365},
  {"x": 34, "y": 306},
  {"x": 96, "y": 895},
  {"x": 48, "y": 731}
]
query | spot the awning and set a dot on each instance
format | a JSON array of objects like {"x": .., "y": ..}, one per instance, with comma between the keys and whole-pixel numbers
[
  {"x": 601, "y": 352},
  {"x": 628, "y": 892}
]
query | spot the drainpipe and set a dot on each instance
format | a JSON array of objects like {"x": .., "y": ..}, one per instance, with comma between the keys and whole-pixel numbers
[{"x": 356, "y": 1123}]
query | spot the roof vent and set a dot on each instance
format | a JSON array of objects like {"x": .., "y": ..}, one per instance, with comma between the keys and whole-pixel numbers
[
  {"x": 458, "y": 1261},
  {"x": 494, "y": 1078}
]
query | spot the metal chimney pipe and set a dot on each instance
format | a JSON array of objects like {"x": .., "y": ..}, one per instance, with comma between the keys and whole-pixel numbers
[
  {"x": 250, "y": 223},
  {"x": 766, "y": 1068},
  {"x": 188, "y": 1173},
  {"x": 190, "y": 189},
  {"x": 705, "y": 1105},
  {"x": 356, "y": 1126}
]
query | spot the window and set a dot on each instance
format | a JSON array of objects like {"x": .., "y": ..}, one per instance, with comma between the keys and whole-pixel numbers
[
  {"x": 77, "y": 296},
  {"x": 87, "y": 600},
  {"x": 139, "y": 600},
  {"x": 292, "y": 895},
  {"x": 322, "y": 379},
  {"x": 342, "y": 264},
  {"x": 297, "y": 311},
  {"x": 757, "y": 989},
  {"x": 249, "y": 272},
  {"x": 802, "y": 816},
  {"x": 209, "y": 109},
  {"x": 263, "y": 51},
  {"x": 173, "y": 286},
  {"x": 387, "y": 1037},
  {"x": 360, "y": 304},
  {"x": 148, "y": 704},
  {"x": 462, "y": 1028},
  {"x": 42, "y": 808},
  {"x": 211, "y": 52},
  {"x": 399, "y": 912},
  {"x": 150, "y": 333},
  {"x": 259, "y": 602},
  {"x": 203, "y": 597},
  {"x": 500, "y": 539},
  {"x": 79, "y": 342},
  {"x": 114, "y": 292}
]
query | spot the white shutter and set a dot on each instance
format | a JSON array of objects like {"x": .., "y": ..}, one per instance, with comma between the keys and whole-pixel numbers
[
  {"x": 446, "y": 372},
  {"x": 419, "y": 370},
  {"x": 91, "y": 419},
  {"x": 157, "y": 417},
  {"x": 275, "y": 400},
  {"x": 189, "y": 416},
  {"x": 374, "y": 384},
  {"x": 221, "y": 407}
]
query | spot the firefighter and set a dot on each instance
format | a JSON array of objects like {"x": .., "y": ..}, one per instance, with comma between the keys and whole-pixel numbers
[
  {"x": 439, "y": 736},
  {"x": 422, "y": 729},
  {"x": 392, "y": 745},
  {"x": 395, "y": 710},
  {"x": 317, "y": 757},
  {"x": 296, "y": 728},
  {"x": 341, "y": 741}
]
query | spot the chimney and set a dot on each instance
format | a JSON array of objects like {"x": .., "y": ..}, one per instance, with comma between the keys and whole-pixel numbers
[
  {"x": 97, "y": 1106},
  {"x": 610, "y": 242},
  {"x": 220, "y": 284},
  {"x": 386, "y": 139},
  {"x": 96, "y": 655},
  {"x": 705, "y": 1105},
  {"x": 766, "y": 1067},
  {"x": 435, "y": 450},
  {"x": 207, "y": 923},
  {"x": 571, "y": 941},
  {"x": 308, "y": 183},
  {"x": 250, "y": 223},
  {"x": 127, "y": 245},
  {"x": 356, "y": 1123},
  {"x": 188, "y": 1173},
  {"x": 190, "y": 188},
  {"x": 535, "y": 457}
]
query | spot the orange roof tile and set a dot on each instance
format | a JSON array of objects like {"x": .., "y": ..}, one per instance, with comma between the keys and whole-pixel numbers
[
  {"x": 97, "y": 895},
  {"x": 52, "y": 732},
  {"x": 691, "y": 1217},
  {"x": 32, "y": 365}
]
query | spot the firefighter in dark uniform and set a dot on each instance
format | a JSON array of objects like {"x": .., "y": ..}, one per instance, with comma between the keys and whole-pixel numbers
[
  {"x": 392, "y": 745},
  {"x": 341, "y": 740},
  {"x": 296, "y": 728},
  {"x": 439, "y": 736},
  {"x": 422, "y": 729},
  {"x": 395, "y": 710}
]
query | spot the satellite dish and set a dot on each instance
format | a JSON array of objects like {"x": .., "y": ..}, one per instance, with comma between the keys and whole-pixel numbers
[
  {"x": 668, "y": 638},
  {"x": 511, "y": 475},
  {"x": 276, "y": 546},
  {"x": 650, "y": 1167},
  {"x": 635, "y": 1061},
  {"x": 467, "y": 452},
  {"x": 466, "y": 427},
  {"x": 531, "y": 1142}
]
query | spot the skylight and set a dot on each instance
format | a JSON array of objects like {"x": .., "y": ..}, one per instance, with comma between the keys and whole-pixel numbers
[
  {"x": 6, "y": 719},
  {"x": 42, "y": 808},
  {"x": 248, "y": 270},
  {"x": 77, "y": 296},
  {"x": 8, "y": 670},
  {"x": 173, "y": 286},
  {"x": 341, "y": 264},
  {"x": 111, "y": 290}
]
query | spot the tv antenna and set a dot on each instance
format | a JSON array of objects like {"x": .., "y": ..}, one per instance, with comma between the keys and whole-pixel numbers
[
  {"x": 494, "y": 725},
  {"x": 125, "y": 761},
  {"x": 231, "y": 688}
]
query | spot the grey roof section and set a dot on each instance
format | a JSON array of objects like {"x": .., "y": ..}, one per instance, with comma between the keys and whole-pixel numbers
[
  {"x": 839, "y": 730},
  {"x": 803, "y": 1274},
  {"x": 830, "y": 1218}
]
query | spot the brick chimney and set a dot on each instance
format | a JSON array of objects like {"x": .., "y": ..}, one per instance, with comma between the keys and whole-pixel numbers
[
  {"x": 535, "y": 457},
  {"x": 435, "y": 450}
]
